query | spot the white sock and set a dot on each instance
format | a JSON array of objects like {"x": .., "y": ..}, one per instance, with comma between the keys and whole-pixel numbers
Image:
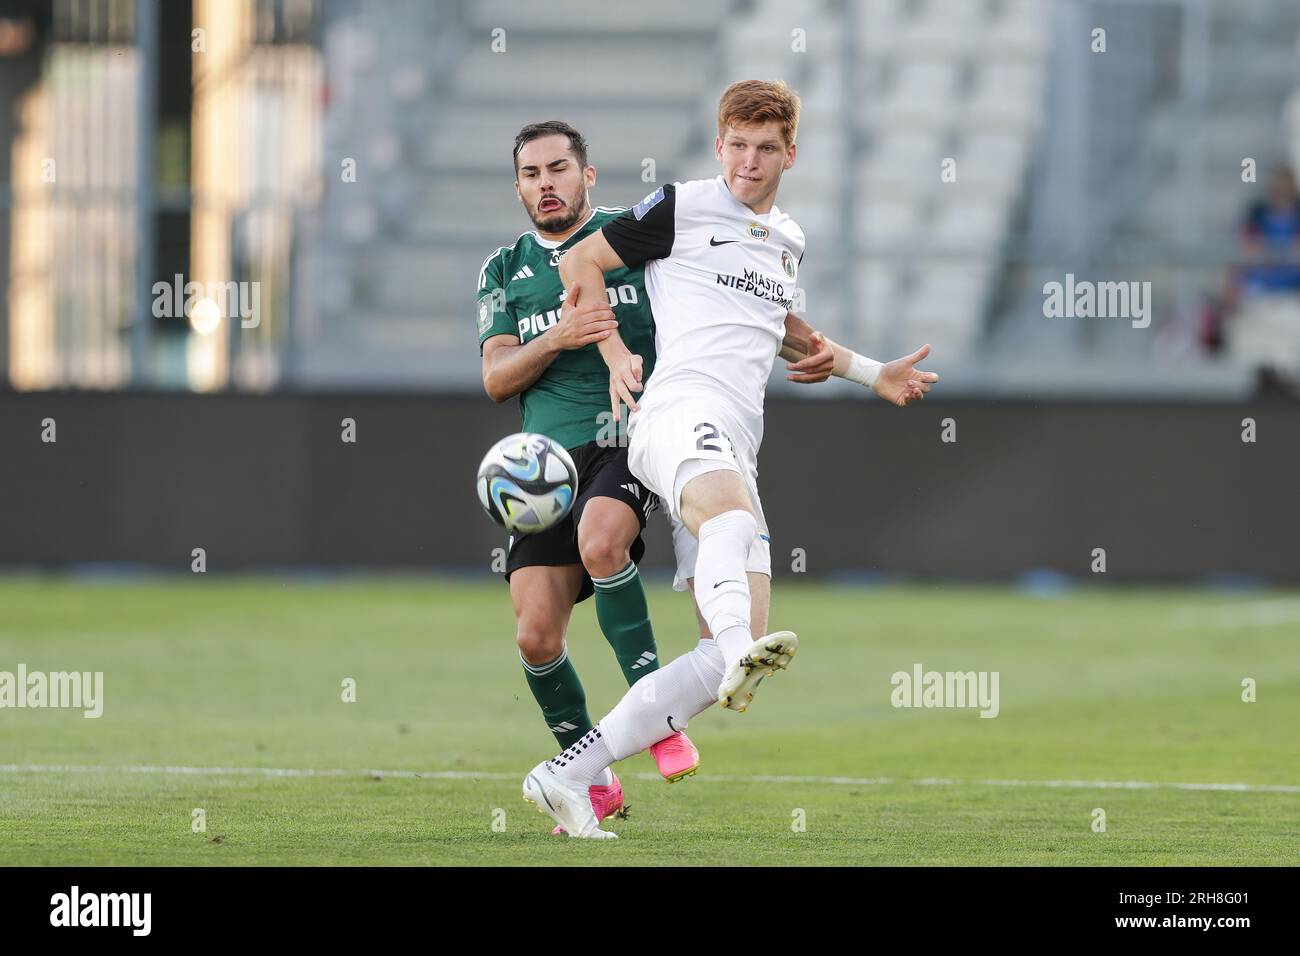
[
  {"x": 679, "y": 690},
  {"x": 721, "y": 584},
  {"x": 585, "y": 761}
]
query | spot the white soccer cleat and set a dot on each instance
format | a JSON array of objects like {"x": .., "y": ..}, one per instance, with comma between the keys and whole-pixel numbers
[
  {"x": 765, "y": 656},
  {"x": 568, "y": 806}
]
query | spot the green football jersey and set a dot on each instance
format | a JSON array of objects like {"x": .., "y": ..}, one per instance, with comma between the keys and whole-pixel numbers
[{"x": 520, "y": 294}]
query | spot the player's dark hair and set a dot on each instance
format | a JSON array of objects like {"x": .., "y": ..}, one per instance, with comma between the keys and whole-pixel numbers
[{"x": 551, "y": 128}]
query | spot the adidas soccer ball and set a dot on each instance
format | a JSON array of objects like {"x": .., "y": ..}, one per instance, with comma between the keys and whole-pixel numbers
[{"x": 527, "y": 483}]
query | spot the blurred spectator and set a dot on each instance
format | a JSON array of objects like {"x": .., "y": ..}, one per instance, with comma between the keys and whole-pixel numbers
[
  {"x": 1271, "y": 231},
  {"x": 1264, "y": 294}
]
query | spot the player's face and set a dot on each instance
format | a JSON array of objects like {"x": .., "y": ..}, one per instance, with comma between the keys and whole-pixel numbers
[
  {"x": 552, "y": 185},
  {"x": 753, "y": 159}
]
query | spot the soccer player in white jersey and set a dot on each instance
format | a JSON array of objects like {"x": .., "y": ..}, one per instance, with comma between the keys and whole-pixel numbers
[{"x": 721, "y": 262}]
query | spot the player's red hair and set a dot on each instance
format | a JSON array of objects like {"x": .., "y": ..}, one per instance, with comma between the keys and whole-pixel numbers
[{"x": 755, "y": 102}]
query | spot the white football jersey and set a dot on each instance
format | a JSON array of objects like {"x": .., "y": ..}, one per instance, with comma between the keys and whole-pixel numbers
[{"x": 720, "y": 279}]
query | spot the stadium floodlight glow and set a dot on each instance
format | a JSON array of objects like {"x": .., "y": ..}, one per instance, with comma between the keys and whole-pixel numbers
[{"x": 205, "y": 316}]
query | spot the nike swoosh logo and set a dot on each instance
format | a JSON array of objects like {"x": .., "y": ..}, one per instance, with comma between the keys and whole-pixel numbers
[
  {"x": 670, "y": 724},
  {"x": 729, "y": 581},
  {"x": 541, "y": 791},
  {"x": 721, "y": 242}
]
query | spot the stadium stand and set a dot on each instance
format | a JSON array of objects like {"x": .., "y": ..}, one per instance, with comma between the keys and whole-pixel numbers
[{"x": 891, "y": 89}]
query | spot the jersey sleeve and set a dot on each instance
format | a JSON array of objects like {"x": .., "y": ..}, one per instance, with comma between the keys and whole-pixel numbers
[
  {"x": 493, "y": 319},
  {"x": 646, "y": 231}
]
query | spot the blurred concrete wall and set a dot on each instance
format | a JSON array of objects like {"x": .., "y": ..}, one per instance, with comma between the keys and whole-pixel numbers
[{"x": 1171, "y": 492}]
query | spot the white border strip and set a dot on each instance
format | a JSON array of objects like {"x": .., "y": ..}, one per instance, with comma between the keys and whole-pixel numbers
[{"x": 720, "y": 778}]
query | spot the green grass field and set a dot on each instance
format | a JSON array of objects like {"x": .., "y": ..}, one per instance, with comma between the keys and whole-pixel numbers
[{"x": 241, "y": 674}]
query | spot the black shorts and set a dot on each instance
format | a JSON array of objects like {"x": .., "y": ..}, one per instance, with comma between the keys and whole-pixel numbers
[{"x": 602, "y": 473}]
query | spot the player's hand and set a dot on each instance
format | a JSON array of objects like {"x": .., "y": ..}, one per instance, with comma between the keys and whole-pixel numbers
[
  {"x": 819, "y": 364},
  {"x": 585, "y": 323},
  {"x": 624, "y": 379},
  {"x": 901, "y": 382}
]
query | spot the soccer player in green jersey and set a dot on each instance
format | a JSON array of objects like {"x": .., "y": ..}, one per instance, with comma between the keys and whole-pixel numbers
[
  {"x": 545, "y": 355},
  {"x": 539, "y": 344}
]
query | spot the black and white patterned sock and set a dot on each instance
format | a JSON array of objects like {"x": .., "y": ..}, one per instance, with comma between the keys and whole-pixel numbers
[{"x": 585, "y": 761}]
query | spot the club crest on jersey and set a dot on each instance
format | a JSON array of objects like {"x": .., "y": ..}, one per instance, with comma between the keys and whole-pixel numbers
[
  {"x": 787, "y": 263},
  {"x": 645, "y": 205},
  {"x": 556, "y": 256},
  {"x": 760, "y": 232}
]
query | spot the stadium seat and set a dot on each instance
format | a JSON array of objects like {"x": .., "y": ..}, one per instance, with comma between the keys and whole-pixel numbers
[
  {"x": 943, "y": 29},
  {"x": 1007, "y": 94},
  {"x": 885, "y": 220},
  {"x": 922, "y": 92}
]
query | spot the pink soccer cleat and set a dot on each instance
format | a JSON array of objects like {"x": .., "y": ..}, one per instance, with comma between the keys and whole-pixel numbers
[
  {"x": 676, "y": 757},
  {"x": 605, "y": 802}
]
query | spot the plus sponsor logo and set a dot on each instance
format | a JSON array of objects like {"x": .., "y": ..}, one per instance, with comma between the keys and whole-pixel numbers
[{"x": 539, "y": 322}]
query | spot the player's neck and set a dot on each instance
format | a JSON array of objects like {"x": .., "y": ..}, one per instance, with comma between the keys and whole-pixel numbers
[
  {"x": 759, "y": 209},
  {"x": 563, "y": 236}
]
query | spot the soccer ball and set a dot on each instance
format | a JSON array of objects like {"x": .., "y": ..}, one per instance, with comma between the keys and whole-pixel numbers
[{"x": 527, "y": 483}]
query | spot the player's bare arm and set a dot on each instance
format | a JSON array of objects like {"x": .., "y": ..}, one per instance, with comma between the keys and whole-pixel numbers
[
  {"x": 510, "y": 368},
  {"x": 584, "y": 267},
  {"x": 899, "y": 382},
  {"x": 811, "y": 354}
]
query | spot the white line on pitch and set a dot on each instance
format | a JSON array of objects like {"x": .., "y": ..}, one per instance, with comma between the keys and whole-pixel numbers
[
  {"x": 1262, "y": 613},
  {"x": 719, "y": 778}
]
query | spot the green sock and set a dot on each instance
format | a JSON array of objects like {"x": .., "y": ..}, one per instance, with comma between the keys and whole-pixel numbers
[
  {"x": 559, "y": 693},
  {"x": 625, "y": 619}
]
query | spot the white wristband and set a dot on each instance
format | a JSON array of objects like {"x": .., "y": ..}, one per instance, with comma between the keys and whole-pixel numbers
[{"x": 863, "y": 370}]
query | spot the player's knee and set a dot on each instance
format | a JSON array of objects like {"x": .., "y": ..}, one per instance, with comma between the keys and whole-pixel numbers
[
  {"x": 603, "y": 552},
  {"x": 700, "y": 508},
  {"x": 539, "y": 645}
]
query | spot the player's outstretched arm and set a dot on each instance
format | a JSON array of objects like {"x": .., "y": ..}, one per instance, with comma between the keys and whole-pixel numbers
[
  {"x": 584, "y": 267},
  {"x": 899, "y": 382},
  {"x": 510, "y": 368}
]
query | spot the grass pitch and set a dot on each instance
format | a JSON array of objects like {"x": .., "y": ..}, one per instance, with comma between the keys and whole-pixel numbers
[{"x": 1119, "y": 687}]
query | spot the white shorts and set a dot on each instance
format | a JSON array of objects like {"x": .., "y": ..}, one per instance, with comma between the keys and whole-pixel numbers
[{"x": 670, "y": 444}]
